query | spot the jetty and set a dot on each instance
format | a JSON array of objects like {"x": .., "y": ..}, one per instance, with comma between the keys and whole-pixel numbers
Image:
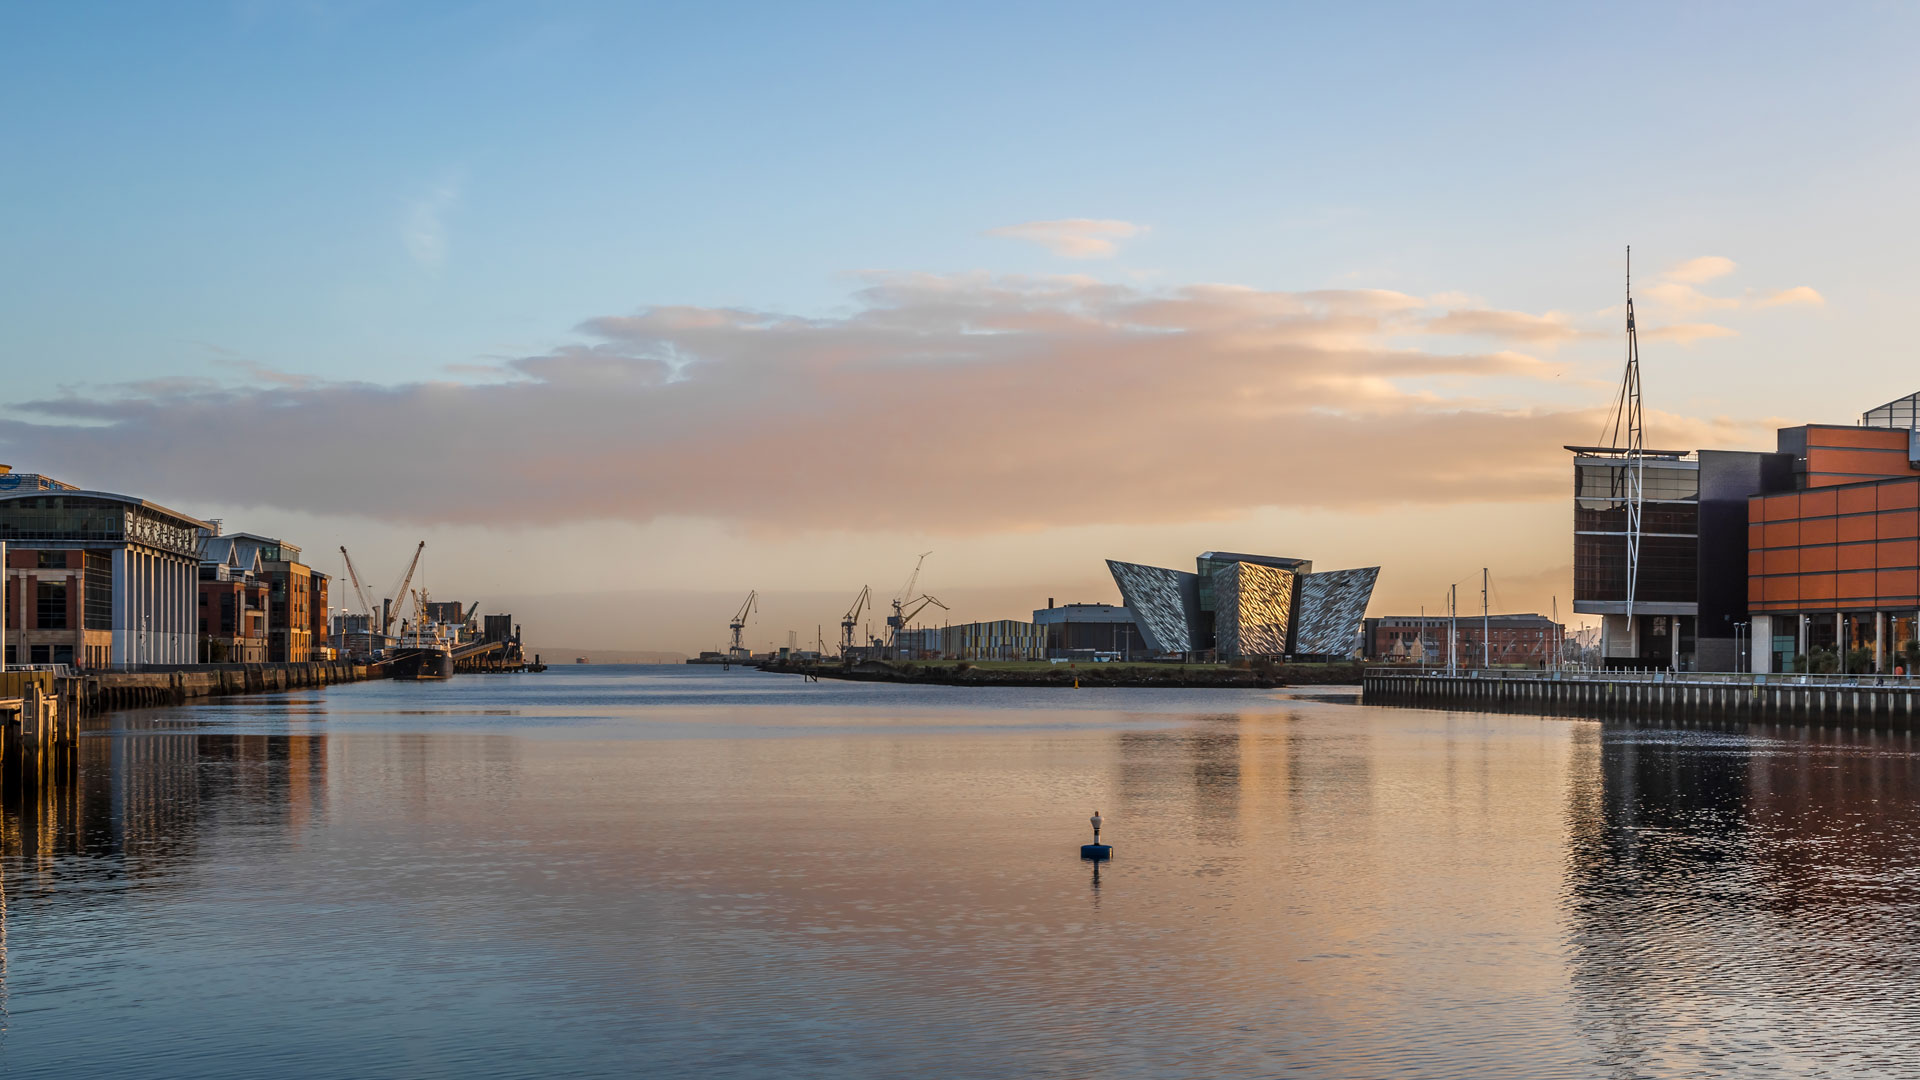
[{"x": 1880, "y": 701}]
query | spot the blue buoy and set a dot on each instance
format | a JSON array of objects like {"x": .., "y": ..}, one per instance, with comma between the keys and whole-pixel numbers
[{"x": 1096, "y": 850}]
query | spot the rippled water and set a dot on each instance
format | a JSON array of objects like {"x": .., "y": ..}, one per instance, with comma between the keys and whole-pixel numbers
[{"x": 680, "y": 871}]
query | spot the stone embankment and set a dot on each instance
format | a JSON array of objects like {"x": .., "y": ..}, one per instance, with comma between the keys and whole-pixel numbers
[
  {"x": 106, "y": 691},
  {"x": 961, "y": 673}
]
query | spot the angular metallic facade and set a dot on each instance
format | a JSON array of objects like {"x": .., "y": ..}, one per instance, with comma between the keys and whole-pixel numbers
[
  {"x": 1165, "y": 604},
  {"x": 1332, "y": 607},
  {"x": 1251, "y": 608}
]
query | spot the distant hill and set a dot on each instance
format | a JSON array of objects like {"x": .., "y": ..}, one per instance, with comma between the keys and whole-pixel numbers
[{"x": 550, "y": 655}]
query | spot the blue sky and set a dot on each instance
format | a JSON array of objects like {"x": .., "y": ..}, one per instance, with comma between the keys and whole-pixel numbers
[{"x": 399, "y": 192}]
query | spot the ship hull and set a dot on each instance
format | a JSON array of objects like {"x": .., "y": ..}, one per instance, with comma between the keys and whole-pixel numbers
[{"x": 421, "y": 664}]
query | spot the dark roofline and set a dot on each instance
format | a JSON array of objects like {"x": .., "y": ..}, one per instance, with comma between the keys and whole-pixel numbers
[
  {"x": 187, "y": 519},
  {"x": 1623, "y": 451}
]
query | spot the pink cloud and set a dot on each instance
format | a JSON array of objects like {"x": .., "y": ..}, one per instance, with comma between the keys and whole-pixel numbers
[
  {"x": 1074, "y": 238},
  {"x": 967, "y": 403}
]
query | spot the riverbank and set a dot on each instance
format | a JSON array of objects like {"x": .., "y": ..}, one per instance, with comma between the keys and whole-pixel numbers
[{"x": 1041, "y": 673}]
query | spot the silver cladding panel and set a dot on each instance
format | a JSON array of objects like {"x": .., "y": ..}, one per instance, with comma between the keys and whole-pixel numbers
[
  {"x": 1332, "y": 607},
  {"x": 1165, "y": 603},
  {"x": 1251, "y": 603}
]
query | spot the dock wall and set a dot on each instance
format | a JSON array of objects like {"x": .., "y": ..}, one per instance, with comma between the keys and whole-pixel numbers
[
  {"x": 1891, "y": 702},
  {"x": 107, "y": 691}
]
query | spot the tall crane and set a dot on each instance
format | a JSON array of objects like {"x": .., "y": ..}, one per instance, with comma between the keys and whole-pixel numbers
[
  {"x": 903, "y": 600},
  {"x": 354, "y": 576},
  {"x": 739, "y": 623},
  {"x": 386, "y": 612},
  {"x": 852, "y": 618}
]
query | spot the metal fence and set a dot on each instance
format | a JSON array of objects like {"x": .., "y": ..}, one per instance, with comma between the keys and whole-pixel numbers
[{"x": 1690, "y": 678}]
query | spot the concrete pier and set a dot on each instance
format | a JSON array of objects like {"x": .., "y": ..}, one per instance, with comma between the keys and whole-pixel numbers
[{"x": 1881, "y": 701}]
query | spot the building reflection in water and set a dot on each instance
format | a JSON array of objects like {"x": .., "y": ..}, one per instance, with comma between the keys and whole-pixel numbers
[{"x": 1746, "y": 890}]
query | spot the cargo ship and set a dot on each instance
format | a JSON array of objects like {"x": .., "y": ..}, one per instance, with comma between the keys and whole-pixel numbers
[{"x": 428, "y": 660}]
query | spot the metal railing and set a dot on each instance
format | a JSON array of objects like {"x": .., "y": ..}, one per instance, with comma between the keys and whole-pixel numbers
[{"x": 1698, "y": 678}]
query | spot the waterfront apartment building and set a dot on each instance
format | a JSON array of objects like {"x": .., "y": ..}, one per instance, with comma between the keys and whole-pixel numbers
[
  {"x": 319, "y": 636},
  {"x": 291, "y": 609},
  {"x": 96, "y": 578},
  {"x": 233, "y": 604},
  {"x": 1500, "y": 640},
  {"x": 1759, "y": 560}
]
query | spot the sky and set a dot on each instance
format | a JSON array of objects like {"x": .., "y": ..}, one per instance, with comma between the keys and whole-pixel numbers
[{"x": 628, "y": 309}]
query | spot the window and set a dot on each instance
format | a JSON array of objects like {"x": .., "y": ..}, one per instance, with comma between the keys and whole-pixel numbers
[
  {"x": 50, "y": 560},
  {"x": 97, "y": 593},
  {"x": 51, "y": 607}
]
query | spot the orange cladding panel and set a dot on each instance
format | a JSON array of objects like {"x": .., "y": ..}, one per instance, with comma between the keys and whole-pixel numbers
[
  {"x": 1896, "y": 523},
  {"x": 1823, "y": 530},
  {"x": 1756, "y": 589},
  {"x": 1778, "y": 561},
  {"x": 1856, "y": 556},
  {"x": 1814, "y": 559},
  {"x": 1756, "y": 561},
  {"x": 1786, "y": 589},
  {"x": 1858, "y": 500},
  {"x": 1857, "y": 464},
  {"x": 1856, "y": 586},
  {"x": 1816, "y": 503},
  {"x": 1816, "y": 587},
  {"x": 1893, "y": 584},
  {"x": 1862, "y": 438},
  {"x": 1782, "y": 534},
  {"x": 1892, "y": 554},
  {"x": 1900, "y": 496},
  {"x": 1856, "y": 528}
]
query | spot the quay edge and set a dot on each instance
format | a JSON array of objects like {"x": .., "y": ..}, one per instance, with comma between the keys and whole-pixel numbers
[{"x": 1880, "y": 701}]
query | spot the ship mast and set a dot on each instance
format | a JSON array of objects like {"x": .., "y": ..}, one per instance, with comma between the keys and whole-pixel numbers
[{"x": 1629, "y": 482}]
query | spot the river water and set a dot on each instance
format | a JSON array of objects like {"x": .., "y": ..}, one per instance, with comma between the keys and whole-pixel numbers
[{"x": 651, "y": 871}]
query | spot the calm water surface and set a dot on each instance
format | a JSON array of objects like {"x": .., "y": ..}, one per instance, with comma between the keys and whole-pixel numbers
[{"x": 680, "y": 871}]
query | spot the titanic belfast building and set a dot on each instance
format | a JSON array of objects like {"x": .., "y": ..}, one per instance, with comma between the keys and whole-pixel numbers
[
  {"x": 1236, "y": 607},
  {"x": 1754, "y": 560}
]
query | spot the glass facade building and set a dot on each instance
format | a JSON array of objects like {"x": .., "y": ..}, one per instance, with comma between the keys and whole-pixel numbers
[{"x": 1247, "y": 606}]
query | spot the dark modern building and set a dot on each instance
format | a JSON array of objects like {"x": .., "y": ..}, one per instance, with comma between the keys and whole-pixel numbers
[
  {"x": 1090, "y": 631},
  {"x": 1814, "y": 545}
]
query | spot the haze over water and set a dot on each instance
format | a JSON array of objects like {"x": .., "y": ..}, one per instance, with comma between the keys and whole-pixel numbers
[{"x": 682, "y": 871}]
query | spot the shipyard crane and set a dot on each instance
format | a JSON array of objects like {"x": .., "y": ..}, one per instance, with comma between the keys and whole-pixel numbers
[
  {"x": 904, "y": 599},
  {"x": 468, "y": 619},
  {"x": 852, "y": 618},
  {"x": 354, "y": 576},
  {"x": 739, "y": 623},
  {"x": 386, "y": 612},
  {"x": 906, "y": 615}
]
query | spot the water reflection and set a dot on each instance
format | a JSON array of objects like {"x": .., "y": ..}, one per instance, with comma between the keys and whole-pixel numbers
[
  {"x": 858, "y": 882},
  {"x": 1745, "y": 894}
]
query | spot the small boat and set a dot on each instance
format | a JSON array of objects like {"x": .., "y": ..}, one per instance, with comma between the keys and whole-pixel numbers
[{"x": 579, "y": 659}]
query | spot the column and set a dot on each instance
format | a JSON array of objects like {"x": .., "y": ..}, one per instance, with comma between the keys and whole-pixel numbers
[
  {"x": 1673, "y": 644},
  {"x": 1802, "y": 623},
  {"x": 1760, "y": 647},
  {"x": 1879, "y": 642},
  {"x": 120, "y": 652}
]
